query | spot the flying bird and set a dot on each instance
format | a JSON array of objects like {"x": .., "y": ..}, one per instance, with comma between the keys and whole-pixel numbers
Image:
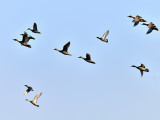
[
  {"x": 65, "y": 49},
  {"x": 151, "y": 27},
  {"x": 28, "y": 89},
  {"x": 34, "y": 101},
  {"x": 137, "y": 19},
  {"x": 88, "y": 58},
  {"x": 35, "y": 30},
  {"x": 141, "y": 68},
  {"x": 103, "y": 38},
  {"x": 25, "y": 40}
]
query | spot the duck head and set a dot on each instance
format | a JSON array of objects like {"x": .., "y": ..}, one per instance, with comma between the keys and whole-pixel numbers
[
  {"x": 27, "y": 100},
  {"x": 80, "y": 57},
  {"x": 133, "y": 66},
  {"x": 56, "y": 49},
  {"x": 15, "y": 39},
  {"x": 98, "y": 37}
]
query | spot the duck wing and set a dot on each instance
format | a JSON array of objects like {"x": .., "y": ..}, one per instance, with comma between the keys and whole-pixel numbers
[
  {"x": 35, "y": 27},
  {"x": 155, "y": 28},
  {"x": 27, "y": 45},
  {"x": 36, "y": 97},
  {"x": 141, "y": 73},
  {"x": 105, "y": 34},
  {"x": 25, "y": 35},
  {"x": 27, "y": 91},
  {"x": 149, "y": 30},
  {"x": 66, "y": 46},
  {"x": 136, "y": 23},
  {"x": 88, "y": 57},
  {"x": 26, "y": 39},
  {"x": 142, "y": 65}
]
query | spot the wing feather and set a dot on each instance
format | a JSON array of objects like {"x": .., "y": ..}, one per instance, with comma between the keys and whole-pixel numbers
[
  {"x": 66, "y": 46},
  {"x": 141, "y": 73},
  {"x": 37, "y": 96},
  {"x": 105, "y": 34},
  {"x": 88, "y": 57},
  {"x": 35, "y": 27}
]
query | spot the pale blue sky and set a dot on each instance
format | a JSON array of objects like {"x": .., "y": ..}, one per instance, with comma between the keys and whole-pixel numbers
[{"x": 73, "y": 89}]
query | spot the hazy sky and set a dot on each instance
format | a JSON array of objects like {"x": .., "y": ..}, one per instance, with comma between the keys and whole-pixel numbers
[{"x": 73, "y": 89}]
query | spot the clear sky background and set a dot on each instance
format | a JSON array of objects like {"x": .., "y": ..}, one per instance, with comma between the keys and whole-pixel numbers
[{"x": 73, "y": 89}]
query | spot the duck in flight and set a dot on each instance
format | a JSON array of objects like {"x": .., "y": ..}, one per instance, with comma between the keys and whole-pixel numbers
[
  {"x": 88, "y": 58},
  {"x": 65, "y": 49},
  {"x": 137, "y": 19},
  {"x": 151, "y": 27},
  {"x": 141, "y": 68},
  {"x": 25, "y": 40},
  {"x": 34, "y": 101},
  {"x": 28, "y": 89},
  {"x": 103, "y": 38},
  {"x": 34, "y": 30}
]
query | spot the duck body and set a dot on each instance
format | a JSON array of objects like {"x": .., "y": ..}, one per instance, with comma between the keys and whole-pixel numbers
[
  {"x": 102, "y": 39},
  {"x": 34, "y": 103}
]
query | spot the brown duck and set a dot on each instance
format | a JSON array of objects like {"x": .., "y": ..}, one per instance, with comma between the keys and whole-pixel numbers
[
  {"x": 137, "y": 19},
  {"x": 35, "y": 30},
  {"x": 141, "y": 68},
  {"x": 88, "y": 58},
  {"x": 151, "y": 27},
  {"x": 24, "y": 41},
  {"x": 65, "y": 49}
]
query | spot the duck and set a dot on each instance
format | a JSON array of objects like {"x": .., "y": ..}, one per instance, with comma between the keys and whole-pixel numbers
[
  {"x": 34, "y": 101},
  {"x": 103, "y": 38},
  {"x": 65, "y": 49},
  {"x": 29, "y": 88},
  {"x": 151, "y": 27},
  {"x": 24, "y": 41},
  {"x": 34, "y": 30},
  {"x": 141, "y": 68},
  {"x": 137, "y": 19},
  {"x": 88, "y": 58}
]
